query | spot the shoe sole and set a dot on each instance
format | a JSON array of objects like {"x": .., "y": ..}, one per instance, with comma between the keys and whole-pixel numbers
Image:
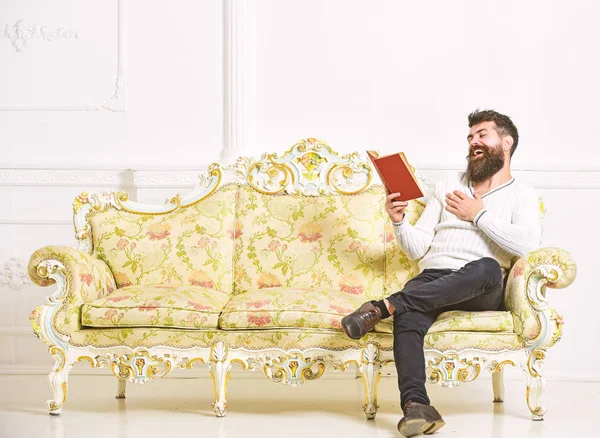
[
  {"x": 418, "y": 426},
  {"x": 351, "y": 330}
]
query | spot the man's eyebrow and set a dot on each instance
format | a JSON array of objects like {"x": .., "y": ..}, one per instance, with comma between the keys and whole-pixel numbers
[{"x": 470, "y": 136}]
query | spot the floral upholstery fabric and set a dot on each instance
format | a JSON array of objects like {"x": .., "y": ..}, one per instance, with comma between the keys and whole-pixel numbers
[
  {"x": 281, "y": 307},
  {"x": 453, "y": 340},
  {"x": 457, "y": 320},
  {"x": 283, "y": 338},
  {"x": 330, "y": 241},
  {"x": 87, "y": 279},
  {"x": 190, "y": 246},
  {"x": 515, "y": 298},
  {"x": 156, "y": 306}
]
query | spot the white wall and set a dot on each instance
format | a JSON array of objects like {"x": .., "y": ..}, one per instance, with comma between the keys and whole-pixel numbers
[
  {"x": 404, "y": 74},
  {"x": 258, "y": 75},
  {"x": 168, "y": 56}
]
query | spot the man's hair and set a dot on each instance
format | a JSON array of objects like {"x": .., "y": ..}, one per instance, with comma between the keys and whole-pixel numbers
[{"x": 504, "y": 125}]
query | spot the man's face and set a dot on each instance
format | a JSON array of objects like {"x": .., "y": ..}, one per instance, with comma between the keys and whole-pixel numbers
[{"x": 486, "y": 155}]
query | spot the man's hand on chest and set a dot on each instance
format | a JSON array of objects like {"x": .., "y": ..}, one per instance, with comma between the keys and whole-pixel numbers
[{"x": 463, "y": 206}]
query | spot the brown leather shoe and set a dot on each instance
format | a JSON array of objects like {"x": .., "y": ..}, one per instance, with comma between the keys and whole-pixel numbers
[
  {"x": 419, "y": 418},
  {"x": 363, "y": 319}
]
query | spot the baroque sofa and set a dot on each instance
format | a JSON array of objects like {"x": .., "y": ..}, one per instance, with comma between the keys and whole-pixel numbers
[{"x": 255, "y": 268}]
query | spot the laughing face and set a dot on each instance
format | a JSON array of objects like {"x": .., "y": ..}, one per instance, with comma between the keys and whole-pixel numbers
[{"x": 486, "y": 155}]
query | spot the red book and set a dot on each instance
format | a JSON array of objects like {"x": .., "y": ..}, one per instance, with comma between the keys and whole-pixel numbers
[{"x": 396, "y": 175}]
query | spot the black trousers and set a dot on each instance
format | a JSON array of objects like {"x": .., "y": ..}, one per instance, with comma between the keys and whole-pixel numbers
[{"x": 477, "y": 286}]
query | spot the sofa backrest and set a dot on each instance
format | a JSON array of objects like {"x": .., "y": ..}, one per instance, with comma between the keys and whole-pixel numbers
[
  {"x": 330, "y": 241},
  {"x": 307, "y": 218},
  {"x": 192, "y": 245}
]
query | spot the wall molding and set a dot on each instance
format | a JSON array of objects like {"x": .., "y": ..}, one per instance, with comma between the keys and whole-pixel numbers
[
  {"x": 14, "y": 274},
  {"x": 16, "y": 330},
  {"x": 115, "y": 103},
  {"x": 165, "y": 178},
  {"x": 233, "y": 73},
  {"x": 20, "y": 34},
  {"x": 35, "y": 221},
  {"x": 543, "y": 178},
  {"x": 64, "y": 177}
]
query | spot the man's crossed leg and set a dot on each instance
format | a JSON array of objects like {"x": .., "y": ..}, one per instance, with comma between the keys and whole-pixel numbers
[{"x": 478, "y": 286}]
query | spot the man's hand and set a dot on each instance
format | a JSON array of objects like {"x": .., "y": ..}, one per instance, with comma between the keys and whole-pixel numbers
[
  {"x": 462, "y": 206},
  {"x": 395, "y": 208}
]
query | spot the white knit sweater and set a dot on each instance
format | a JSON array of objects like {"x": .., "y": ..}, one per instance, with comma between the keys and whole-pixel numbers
[{"x": 508, "y": 225}]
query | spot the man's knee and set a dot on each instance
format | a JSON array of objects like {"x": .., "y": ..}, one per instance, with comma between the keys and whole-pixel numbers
[
  {"x": 411, "y": 322},
  {"x": 490, "y": 269}
]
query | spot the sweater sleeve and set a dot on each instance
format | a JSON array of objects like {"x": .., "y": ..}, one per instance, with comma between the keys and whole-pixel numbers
[
  {"x": 416, "y": 240},
  {"x": 523, "y": 234}
]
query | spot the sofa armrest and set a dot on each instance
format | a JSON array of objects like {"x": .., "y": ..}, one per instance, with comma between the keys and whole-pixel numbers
[
  {"x": 80, "y": 278},
  {"x": 525, "y": 297}
]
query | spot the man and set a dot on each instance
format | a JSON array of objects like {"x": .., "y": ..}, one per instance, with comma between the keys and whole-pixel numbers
[{"x": 472, "y": 226}]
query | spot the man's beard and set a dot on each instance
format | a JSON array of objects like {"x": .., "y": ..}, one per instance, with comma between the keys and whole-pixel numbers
[{"x": 487, "y": 164}]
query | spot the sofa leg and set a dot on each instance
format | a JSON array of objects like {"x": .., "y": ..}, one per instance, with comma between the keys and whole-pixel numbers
[
  {"x": 220, "y": 369},
  {"x": 58, "y": 379},
  {"x": 370, "y": 371},
  {"x": 58, "y": 382},
  {"x": 219, "y": 372},
  {"x": 498, "y": 385},
  {"x": 121, "y": 384},
  {"x": 535, "y": 384}
]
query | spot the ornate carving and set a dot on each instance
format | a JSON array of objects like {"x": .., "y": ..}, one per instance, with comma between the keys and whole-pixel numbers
[
  {"x": 449, "y": 370},
  {"x": 310, "y": 168},
  {"x": 496, "y": 367},
  {"x": 187, "y": 363},
  {"x": 498, "y": 378},
  {"x": 536, "y": 296},
  {"x": 220, "y": 370},
  {"x": 140, "y": 366},
  {"x": 557, "y": 335},
  {"x": 116, "y": 103},
  {"x": 20, "y": 34},
  {"x": 535, "y": 383},
  {"x": 370, "y": 371},
  {"x": 14, "y": 274},
  {"x": 293, "y": 369},
  {"x": 41, "y": 321}
]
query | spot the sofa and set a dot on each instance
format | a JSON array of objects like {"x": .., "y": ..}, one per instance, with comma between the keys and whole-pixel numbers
[{"x": 255, "y": 268}]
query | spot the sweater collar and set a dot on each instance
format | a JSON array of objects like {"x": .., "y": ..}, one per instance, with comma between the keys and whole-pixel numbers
[{"x": 494, "y": 190}]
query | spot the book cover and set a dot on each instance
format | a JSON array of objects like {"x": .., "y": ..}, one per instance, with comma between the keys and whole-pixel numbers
[{"x": 397, "y": 175}]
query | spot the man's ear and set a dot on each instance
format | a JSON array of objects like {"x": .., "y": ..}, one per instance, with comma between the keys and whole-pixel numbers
[{"x": 507, "y": 142}]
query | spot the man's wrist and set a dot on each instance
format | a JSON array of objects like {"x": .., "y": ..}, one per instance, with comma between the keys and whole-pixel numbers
[
  {"x": 397, "y": 224},
  {"x": 478, "y": 215}
]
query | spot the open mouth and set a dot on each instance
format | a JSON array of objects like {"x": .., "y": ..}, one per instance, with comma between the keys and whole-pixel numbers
[{"x": 477, "y": 152}]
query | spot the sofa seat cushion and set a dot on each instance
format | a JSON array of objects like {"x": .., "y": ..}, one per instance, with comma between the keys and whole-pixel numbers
[
  {"x": 156, "y": 306},
  {"x": 462, "y": 321},
  {"x": 288, "y": 307},
  {"x": 302, "y": 338}
]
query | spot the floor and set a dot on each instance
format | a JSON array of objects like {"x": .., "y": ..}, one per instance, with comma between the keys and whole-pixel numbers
[{"x": 259, "y": 408}]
